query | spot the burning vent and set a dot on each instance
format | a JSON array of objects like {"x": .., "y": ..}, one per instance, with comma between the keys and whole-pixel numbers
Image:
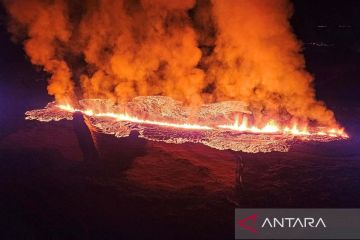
[{"x": 224, "y": 125}]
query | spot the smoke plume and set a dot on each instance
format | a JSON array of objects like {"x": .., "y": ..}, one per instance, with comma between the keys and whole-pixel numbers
[{"x": 193, "y": 51}]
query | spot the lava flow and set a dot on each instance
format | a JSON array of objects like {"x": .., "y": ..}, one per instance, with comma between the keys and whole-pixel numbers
[
  {"x": 273, "y": 127},
  {"x": 127, "y": 118},
  {"x": 269, "y": 128},
  {"x": 169, "y": 121}
]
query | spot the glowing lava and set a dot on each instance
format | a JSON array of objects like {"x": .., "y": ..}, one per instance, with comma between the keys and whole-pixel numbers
[
  {"x": 271, "y": 127},
  {"x": 127, "y": 118},
  {"x": 159, "y": 118}
]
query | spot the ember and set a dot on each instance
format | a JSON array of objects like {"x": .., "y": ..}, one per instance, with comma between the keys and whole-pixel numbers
[{"x": 167, "y": 120}]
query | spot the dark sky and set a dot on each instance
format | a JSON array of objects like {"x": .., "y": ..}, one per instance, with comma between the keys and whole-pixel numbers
[
  {"x": 330, "y": 31},
  {"x": 336, "y": 22}
]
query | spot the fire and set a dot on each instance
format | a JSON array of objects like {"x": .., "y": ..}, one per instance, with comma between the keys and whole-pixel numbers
[
  {"x": 67, "y": 107},
  {"x": 127, "y": 118},
  {"x": 296, "y": 131},
  {"x": 271, "y": 127},
  {"x": 169, "y": 121}
]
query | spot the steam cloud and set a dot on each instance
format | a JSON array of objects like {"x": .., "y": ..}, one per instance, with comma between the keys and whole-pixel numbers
[{"x": 194, "y": 51}]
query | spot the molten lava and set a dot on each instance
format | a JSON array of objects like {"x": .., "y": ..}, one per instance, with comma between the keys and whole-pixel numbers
[
  {"x": 269, "y": 127},
  {"x": 273, "y": 127},
  {"x": 127, "y": 118},
  {"x": 163, "y": 119}
]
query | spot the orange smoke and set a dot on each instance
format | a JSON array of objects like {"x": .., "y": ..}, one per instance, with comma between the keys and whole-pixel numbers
[
  {"x": 194, "y": 51},
  {"x": 141, "y": 48},
  {"x": 47, "y": 27},
  {"x": 257, "y": 59}
]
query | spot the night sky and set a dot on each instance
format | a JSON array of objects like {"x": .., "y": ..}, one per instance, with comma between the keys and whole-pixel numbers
[{"x": 335, "y": 27}]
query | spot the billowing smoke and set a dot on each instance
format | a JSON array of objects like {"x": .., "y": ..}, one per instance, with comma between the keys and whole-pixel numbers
[
  {"x": 256, "y": 59},
  {"x": 47, "y": 30},
  {"x": 193, "y": 51}
]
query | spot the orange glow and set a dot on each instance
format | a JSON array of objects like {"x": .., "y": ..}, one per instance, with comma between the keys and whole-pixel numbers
[
  {"x": 127, "y": 118},
  {"x": 128, "y": 49},
  {"x": 271, "y": 127}
]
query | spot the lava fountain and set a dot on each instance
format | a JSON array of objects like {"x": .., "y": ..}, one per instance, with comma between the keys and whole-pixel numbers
[{"x": 217, "y": 125}]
